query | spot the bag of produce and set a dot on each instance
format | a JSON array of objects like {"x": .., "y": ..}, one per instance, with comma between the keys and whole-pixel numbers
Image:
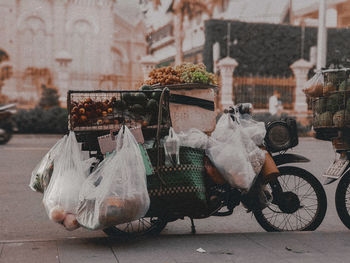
[
  {"x": 314, "y": 86},
  {"x": 42, "y": 173},
  {"x": 228, "y": 153},
  {"x": 61, "y": 198},
  {"x": 116, "y": 192},
  {"x": 256, "y": 131},
  {"x": 172, "y": 149},
  {"x": 194, "y": 138}
]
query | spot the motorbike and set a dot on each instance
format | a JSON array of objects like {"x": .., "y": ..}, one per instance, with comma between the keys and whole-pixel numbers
[
  {"x": 291, "y": 199},
  {"x": 340, "y": 169},
  {"x": 7, "y": 125}
]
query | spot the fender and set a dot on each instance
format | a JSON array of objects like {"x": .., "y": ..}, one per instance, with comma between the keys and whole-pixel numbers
[{"x": 289, "y": 158}]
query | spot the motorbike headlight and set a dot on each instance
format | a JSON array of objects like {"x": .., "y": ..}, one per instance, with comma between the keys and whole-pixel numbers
[{"x": 281, "y": 135}]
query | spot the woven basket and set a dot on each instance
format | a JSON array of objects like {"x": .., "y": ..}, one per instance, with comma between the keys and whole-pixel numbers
[{"x": 178, "y": 191}]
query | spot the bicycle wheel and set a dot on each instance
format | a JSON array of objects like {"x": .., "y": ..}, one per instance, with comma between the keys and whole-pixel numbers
[
  {"x": 301, "y": 207},
  {"x": 342, "y": 199},
  {"x": 143, "y": 226}
]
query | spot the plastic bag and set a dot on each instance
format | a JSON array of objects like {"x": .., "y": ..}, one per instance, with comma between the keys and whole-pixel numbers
[
  {"x": 256, "y": 155},
  {"x": 314, "y": 86},
  {"x": 116, "y": 192},
  {"x": 229, "y": 155},
  {"x": 256, "y": 131},
  {"x": 61, "y": 198},
  {"x": 194, "y": 138},
  {"x": 172, "y": 149},
  {"x": 42, "y": 173}
]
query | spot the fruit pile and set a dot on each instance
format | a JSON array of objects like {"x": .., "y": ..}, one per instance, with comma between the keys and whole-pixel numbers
[
  {"x": 126, "y": 107},
  {"x": 184, "y": 73},
  {"x": 89, "y": 112}
]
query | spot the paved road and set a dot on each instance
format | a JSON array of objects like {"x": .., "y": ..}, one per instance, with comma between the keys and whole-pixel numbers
[{"x": 23, "y": 220}]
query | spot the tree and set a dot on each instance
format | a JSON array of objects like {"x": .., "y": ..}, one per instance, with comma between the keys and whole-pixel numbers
[
  {"x": 49, "y": 97},
  {"x": 186, "y": 8}
]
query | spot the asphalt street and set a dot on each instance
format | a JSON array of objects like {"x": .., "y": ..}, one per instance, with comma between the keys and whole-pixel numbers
[{"x": 25, "y": 227}]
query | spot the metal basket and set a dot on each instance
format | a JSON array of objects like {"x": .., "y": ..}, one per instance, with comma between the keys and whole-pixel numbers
[
  {"x": 332, "y": 110},
  {"x": 106, "y": 110},
  {"x": 116, "y": 108}
]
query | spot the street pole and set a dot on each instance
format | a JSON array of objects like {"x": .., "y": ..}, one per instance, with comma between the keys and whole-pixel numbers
[{"x": 321, "y": 36}]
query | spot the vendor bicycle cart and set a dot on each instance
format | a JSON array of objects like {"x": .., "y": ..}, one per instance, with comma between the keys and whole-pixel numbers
[
  {"x": 282, "y": 198},
  {"x": 331, "y": 122}
]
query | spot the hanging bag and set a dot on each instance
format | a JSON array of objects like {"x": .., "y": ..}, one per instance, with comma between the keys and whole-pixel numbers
[
  {"x": 61, "y": 197},
  {"x": 116, "y": 191},
  {"x": 314, "y": 86},
  {"x": 41, "y": 175}
]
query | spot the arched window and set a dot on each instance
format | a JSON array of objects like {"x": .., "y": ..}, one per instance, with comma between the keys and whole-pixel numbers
[
  {"x": 82, "y": 47},
  {"x": 119, "y": 62},
  {"x": 33, "y": 43}
]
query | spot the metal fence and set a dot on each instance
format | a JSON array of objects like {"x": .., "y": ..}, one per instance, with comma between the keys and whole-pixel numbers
[{"x": 258, "y": 89}]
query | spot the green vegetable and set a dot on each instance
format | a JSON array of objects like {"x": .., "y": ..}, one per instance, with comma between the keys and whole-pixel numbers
[
  {"x": 146, "y": 87},
  {"x": 320, "y": 105},
  {"x": 137, "y": 108},
  {"x": 140, "y": 98},
  {"x": 335, "y": 102},
  {"x": 345, "y": 85},
  {"x": 326, "y": 119},
  {"x": 339, "y": 118},
  {"x": 152, "y": 105}
]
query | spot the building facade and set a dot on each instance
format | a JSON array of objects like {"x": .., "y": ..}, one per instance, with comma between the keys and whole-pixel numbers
[{"x": 70, "y": 44}]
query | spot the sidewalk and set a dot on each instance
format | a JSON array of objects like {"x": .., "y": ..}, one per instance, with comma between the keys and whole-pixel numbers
[{"x": 237, "y": 247}]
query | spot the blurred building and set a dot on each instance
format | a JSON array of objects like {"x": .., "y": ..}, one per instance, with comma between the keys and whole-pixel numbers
[
  {"x": 160, "y": 26},
  {"x": 71, "y": 44}
]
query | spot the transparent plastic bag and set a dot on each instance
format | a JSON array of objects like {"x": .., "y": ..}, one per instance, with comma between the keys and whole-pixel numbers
[
  {"x": 229, "y": 155},
  {"x": 256, "y": 131},
  {"x": 256, "y": 155},
  {"x": 61, "y": 198},
  {"x": 42, "y": 173},
  {"x": 194, "y": 138},
  {"x": 172, "y": 149},
  {"x": 314, "y": 86},
  {"x": 116, "y": 192}
]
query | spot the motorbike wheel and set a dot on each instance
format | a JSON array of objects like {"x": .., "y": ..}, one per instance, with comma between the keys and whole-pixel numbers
[
  {"x": 5, "y": 136},
  {"x": 304, "y": 206},
  {"x": 143, "y": 226},
  {"x": 342, "y": 198}
]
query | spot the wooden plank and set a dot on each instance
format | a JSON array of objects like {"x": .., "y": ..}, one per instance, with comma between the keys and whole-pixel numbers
[{"x": 39, "y": 252}]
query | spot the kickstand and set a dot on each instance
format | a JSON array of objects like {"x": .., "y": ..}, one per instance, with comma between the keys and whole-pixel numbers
[{"x": 193, "y": 228}]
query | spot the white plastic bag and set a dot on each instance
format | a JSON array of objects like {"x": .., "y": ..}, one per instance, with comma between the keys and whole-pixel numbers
[
  {"x": 256, "y": 131},
  {"x": 194, "y": 138},
  {"x": 172, "y": 149},
  {"x": 229, "y": 155},
  {"x": 42, "y": 173},
  {"x": 116, "y": 192},
  {"x": 314, "y": 86},
  {"x": 61, "y": 198},
  {"x": 256, "y": 155}
]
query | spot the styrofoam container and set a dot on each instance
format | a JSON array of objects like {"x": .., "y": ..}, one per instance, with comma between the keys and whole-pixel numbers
[{"x": 185, "y": 117}]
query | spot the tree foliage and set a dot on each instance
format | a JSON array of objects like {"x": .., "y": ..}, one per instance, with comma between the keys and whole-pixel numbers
[
  {"x": 49, "y": 97},
  {"x": 270, "y": 49}
]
